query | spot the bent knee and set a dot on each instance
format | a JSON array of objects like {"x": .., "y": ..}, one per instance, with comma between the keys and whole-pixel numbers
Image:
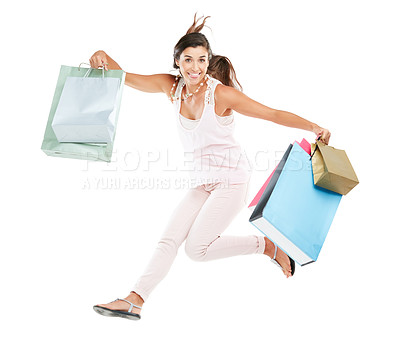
[{"x": 195, "y": 251}]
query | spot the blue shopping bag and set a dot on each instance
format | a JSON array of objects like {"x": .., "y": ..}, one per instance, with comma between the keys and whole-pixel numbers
[{"x": 293, "y": 212}]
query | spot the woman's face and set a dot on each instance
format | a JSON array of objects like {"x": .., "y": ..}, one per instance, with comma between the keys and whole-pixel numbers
[{"x": 193, "y": 64}]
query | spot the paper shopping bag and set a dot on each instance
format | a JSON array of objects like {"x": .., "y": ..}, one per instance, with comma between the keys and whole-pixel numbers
[
  {"x": 86, "y": 110},
  {"x": 304, "y": 145},
  {"x": 97, "y": 119},
  {"x": 332, "y": 169},
  {"x": 293, "y": 212}
]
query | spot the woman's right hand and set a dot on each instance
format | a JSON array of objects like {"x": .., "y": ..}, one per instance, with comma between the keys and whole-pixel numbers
[{"x": 99, "y": 59}]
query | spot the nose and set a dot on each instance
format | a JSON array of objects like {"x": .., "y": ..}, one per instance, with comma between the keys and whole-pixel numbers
[{"x": 195, "y": 67}]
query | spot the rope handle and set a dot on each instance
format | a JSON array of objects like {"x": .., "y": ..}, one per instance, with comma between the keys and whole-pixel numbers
[
  {"x": 89, "y": 69},
  {"x": 315, "y": 148}
]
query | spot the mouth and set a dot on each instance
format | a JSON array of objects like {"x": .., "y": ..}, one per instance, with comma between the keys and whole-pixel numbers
[{"x": 194, "y": 75}]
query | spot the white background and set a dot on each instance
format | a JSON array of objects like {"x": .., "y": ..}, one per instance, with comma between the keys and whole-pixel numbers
[{"x": 65, "y": 248}]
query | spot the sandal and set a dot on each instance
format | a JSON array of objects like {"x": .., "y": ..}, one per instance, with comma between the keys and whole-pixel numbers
[
  {"x": 115, "y": 313},
  {"x": 292, "y": 264}
]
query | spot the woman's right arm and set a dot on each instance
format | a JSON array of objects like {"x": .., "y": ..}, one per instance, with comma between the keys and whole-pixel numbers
[{"x": 156, "y": 83}]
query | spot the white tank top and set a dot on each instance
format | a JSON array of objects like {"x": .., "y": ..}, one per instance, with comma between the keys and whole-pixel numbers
[
  {"x": 190, "y": 123},
  {"x": 211, "y": 152}
]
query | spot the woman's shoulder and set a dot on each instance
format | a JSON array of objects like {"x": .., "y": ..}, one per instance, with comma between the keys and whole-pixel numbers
[
  {"x": 174, "y": 82},
  {"x": 170, "y": 80},
  {"x": 224, "y": 94},
  {"x": 220, "y": 88}
]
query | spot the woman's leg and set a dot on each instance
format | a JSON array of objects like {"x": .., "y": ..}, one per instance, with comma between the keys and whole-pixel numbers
[
  {"x": 204, "y": 241},
  {"x": 175, "y": 233}
]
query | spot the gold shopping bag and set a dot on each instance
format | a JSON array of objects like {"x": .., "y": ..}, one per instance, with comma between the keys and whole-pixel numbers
[{"x": 332, "y": 169}]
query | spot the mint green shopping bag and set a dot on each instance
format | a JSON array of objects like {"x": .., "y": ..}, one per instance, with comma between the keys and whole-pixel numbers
[{"x": 79, "y": 150}]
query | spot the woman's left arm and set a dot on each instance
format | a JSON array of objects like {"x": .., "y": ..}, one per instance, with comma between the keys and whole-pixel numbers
[{"x": 229, "y": 97}]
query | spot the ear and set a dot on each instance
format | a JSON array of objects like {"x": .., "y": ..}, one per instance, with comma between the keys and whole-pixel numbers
[{"x": 176, "y": 62}]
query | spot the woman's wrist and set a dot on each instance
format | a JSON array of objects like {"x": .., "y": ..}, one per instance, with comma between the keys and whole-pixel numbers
[{"x": 315, "y": 128}]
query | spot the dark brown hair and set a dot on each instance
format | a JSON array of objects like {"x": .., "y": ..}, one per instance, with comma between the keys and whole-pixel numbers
[{"x": 220, "y": 67}]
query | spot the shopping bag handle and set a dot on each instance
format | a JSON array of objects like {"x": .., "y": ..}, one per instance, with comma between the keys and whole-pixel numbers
[
  {"x": 89, "y": 69},
  {"x": 315, "y": 148}
]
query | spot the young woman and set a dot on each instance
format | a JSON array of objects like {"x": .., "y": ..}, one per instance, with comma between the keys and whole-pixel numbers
[{"x": 204, "y": 96}]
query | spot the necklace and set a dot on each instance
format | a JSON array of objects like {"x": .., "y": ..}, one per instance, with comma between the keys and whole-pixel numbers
[{"x": 187, "y": 95}]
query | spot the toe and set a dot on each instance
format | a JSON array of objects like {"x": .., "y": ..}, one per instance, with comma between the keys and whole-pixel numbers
[{"x": 284, "y": 261}]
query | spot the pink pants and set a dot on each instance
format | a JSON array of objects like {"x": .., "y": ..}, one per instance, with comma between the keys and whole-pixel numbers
[{"x": 200, "y": 218}]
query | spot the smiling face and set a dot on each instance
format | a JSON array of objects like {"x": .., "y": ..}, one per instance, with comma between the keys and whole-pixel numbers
[{"x": 193, "y": 64}]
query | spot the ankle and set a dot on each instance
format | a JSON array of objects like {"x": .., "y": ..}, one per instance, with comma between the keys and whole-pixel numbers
[
  {"x": 269, "y": 247},
  {"x": 136, "y": 298}
]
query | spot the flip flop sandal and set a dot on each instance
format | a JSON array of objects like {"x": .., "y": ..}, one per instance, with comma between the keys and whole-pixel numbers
[
  {"x": 115, "y": 313},
  {"x": 292, "y": 264}
]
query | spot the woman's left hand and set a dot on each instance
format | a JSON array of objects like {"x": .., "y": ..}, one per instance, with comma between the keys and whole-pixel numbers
[{"x": 323, "y": 133}]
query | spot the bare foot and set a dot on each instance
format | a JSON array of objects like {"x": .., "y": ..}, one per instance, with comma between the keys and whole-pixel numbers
[
  {"x": 121, "y": 305},
  {"x": 281, "y": 257}
]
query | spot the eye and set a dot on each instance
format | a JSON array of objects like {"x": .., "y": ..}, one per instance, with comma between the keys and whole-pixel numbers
[
  {"x": 202, "y": 60},
  {"x": 187, "y": 60}
]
